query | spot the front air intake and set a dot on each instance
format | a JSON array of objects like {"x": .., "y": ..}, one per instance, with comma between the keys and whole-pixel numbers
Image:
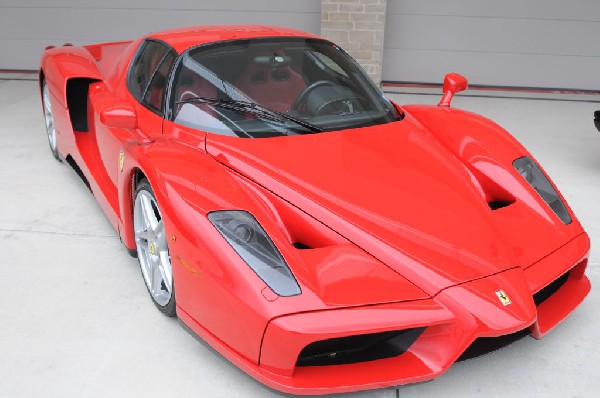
[
  {"x": 549, "y": 290},
  {"x": 359, "y": 348},
  {"x": 485, "y": 345}
]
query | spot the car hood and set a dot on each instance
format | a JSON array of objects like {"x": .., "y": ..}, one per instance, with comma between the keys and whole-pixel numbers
[{"x": 394, "y": 191}]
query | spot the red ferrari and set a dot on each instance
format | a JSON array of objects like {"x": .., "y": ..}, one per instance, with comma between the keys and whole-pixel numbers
[{"x": 319, "y": 236}]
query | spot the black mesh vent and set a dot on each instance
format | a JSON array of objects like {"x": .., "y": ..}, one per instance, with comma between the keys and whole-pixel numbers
[
  {"x": 549, "y": 290},
  {"x": 360, "y": 348}
]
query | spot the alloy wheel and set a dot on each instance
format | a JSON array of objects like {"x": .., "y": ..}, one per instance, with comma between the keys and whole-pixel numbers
[{"x": 152, "y": 248}]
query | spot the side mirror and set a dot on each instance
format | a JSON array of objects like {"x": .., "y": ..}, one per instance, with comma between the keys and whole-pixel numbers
[
  {"x": 120, "y": 116},
  {"x": 116, "y": 113},
  {"x": 453, "y": 83}
]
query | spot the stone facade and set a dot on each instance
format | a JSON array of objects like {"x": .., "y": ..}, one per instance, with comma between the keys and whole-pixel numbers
[{"x": 357, "y": 26}]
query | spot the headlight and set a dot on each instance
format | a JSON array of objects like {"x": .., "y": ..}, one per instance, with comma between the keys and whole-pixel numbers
[
  {"x": 534, "y": 176},
  {"x": 253, "y": 245}
]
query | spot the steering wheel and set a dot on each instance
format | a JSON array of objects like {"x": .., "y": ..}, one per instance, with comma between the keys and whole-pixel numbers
[{"x": 303, "y": 96}]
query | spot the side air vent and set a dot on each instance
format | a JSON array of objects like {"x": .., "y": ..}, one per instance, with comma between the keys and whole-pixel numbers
[
  {"x": 359, "y": 348},
  {"x": 77, "y": 101}
]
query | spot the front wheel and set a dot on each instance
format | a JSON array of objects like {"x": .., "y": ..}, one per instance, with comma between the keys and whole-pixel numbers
[{"x": 152, "y": 249}]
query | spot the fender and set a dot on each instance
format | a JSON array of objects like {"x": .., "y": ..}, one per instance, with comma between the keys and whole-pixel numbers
[
  {"x": 191, "y": 174},
  {"x": 488, "y": 151},
  {"x": 468, "y": 135},
  {"x": 485, "y": 148},
  {"x": 60, "y": 64},
  {"x": 193, "y": 183}
]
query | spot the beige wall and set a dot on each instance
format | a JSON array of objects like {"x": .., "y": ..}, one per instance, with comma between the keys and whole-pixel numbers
[{"x": 357, "y": 26}]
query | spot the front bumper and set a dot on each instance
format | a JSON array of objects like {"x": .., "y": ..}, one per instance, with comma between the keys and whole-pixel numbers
[{"x": 453, "y": 319}]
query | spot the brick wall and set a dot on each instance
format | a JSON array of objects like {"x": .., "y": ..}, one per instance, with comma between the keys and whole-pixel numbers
[{"x": 357, "y": 26}]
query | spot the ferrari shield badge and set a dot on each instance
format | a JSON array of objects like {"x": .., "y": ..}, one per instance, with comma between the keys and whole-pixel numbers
[
  {"x": 121, "y": 160},
  {"x": 503, "y": 297}
]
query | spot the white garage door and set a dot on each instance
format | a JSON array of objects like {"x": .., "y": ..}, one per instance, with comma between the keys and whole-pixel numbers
[
  {"x": 522, "y": 43},
  {"x": 28, "y": 26}
]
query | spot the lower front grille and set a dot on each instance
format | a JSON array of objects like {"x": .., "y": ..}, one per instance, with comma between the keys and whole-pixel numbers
[
  {"x": 549, "y": 290},
  {"x": 485, "y": 345},
  {"x": 359, "y": 348}
]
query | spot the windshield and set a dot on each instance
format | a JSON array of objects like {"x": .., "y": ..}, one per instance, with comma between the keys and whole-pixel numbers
[{"x": 278, "y": 86}]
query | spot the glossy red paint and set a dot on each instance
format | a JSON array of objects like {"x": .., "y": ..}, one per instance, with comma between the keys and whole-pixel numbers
[
  {"x": 453, "y": 83},
  {"x": 396, "y": 217},
  {"x": 119, "y": 116}
]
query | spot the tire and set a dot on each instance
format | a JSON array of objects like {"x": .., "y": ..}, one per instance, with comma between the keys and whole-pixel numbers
[
  {"x": 49, "y": 120},
  {"x": 152, "y": 249}
]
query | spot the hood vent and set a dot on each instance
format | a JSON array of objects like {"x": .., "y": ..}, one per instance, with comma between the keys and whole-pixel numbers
[
  {"x": 301, "y": 246},
  {"x": 494, "y": 194},
  {"x": 498, "y": 204}
]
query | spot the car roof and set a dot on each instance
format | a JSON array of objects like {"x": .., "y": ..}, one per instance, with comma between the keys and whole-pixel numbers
[{"x": 183, "y": 38}]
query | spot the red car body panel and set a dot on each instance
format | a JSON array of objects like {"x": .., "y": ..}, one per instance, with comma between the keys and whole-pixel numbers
[
  {"x": 423, "y": 191},
  {"x": 396, "y": 216}
]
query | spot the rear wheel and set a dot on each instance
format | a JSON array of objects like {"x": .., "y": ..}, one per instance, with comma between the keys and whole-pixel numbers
[
  {"x": 152, "y": 249},
  {"x": 49, "y": 119}
]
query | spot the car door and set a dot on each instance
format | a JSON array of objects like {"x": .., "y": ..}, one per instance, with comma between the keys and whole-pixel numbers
[{"x": 146, "y": 81}]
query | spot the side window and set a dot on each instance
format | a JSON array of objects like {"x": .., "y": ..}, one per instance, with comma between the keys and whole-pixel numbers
[
  {"x": 148, "y": 74},
  {"x": 156, "y": 89}
]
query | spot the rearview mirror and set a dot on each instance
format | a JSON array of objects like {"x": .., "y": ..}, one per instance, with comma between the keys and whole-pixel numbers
[
  {"x": 120, "y": 116},
  {"x": 453, "y": 83},
  {"x": 273, "y": 61}
]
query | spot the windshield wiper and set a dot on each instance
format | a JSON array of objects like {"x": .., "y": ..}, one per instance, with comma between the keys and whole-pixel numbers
[{"x": 252, "y": 107}]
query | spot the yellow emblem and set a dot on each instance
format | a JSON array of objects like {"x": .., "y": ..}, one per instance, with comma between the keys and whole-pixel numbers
[
  {"x": 189, "y": 266},
  {"x": 504, "y": 299},
  {"x": 152, "y": 248},
  {"x": 121, "y": 160}
]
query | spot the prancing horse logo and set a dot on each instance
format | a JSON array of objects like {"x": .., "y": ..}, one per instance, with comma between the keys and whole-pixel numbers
[{"x": 504, "y": 299}]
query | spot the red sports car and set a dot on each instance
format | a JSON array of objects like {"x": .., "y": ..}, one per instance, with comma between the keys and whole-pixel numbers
[{"x": 319, "y": 236}]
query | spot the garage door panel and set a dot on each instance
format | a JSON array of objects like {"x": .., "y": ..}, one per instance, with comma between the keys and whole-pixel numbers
[
  {"x": 492, "y": 69},
  {"x": 493, "y": 35},
  {"x": 532, "y": 43},
  {"x": 23, "y": 29},
  {"x": 222, "y": 5},
  {"x": 579, "y": 10},
  {"x": 27, "y": 53},
  {"x": 103, "y": 25}
]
